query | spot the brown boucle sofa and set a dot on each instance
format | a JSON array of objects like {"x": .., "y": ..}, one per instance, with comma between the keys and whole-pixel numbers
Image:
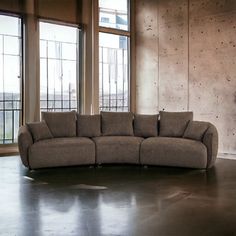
[{"x": 68, "y": 139}]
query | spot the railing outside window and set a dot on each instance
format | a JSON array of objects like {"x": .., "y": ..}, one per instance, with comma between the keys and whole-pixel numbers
[
  {"x": 58, "y": 68},
  {"x": 114, "y": 92}
]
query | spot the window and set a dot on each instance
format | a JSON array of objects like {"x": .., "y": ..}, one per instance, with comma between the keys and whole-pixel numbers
[
  {"x": 58, "y": 67},
  {"x": 114, "y": 14},
  {"x": 113, "y": 72},
  {"x": 114, "y": 81},
  {"x": 10, "y": 78}
]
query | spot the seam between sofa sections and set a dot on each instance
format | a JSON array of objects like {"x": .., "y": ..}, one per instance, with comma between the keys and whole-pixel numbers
[
  {"x": 140, "y": 151},
  {"x": 92, "y": 138}
]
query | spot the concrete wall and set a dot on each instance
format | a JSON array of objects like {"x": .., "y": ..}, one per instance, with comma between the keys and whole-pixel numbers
[{"x": 186, "y": 55}]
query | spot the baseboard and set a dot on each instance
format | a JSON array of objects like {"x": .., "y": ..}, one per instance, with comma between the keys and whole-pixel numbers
[
  {"x": 9, "y": 150},
  {"x": 230, "y": 156}
]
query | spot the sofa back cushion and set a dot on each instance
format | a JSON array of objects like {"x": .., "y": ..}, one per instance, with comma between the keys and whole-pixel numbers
[
  {"x": 173, "y": 124},
  {"x": 145, "y": 125},
  {"x": 117, "y": 123},
  {"x": 39, "y": 130},
  {"x": 61, "y": 124},
  {"x": 88, "y": 125},
  {"x": 195, "y": 130}
]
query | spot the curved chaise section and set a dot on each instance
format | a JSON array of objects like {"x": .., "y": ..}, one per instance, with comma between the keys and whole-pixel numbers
[
  {"x": 164, "y": 151},
  {"x": 62, "y": 152}
]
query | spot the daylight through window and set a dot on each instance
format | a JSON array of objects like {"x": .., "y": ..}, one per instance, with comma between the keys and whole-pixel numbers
[
  {"x": 10, "y": 78},
  {"x": 114, "y": 79},
  {"x": 58, "y": 67}
]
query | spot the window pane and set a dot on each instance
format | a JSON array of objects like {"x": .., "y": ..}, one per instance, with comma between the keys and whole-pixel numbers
[
  {"x": 11, "y": 45},
  {"x": 57, "y": 33},
  {"x": 10, "y": 25},
  {"x": 58, "y": 63},
  {"x": 113, "y": 14},
  {"x": 10, "y": 78},
  {"x": 69, "y": 51},
  {"x": 8, "y": 125},
  {"x": 113, "y": 72}
]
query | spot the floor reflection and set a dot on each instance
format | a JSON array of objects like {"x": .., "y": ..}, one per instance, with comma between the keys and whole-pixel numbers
[{"x": 112, "y": 200}]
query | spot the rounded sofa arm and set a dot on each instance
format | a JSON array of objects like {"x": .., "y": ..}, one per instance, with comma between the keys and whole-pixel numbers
[
  {"x": 24, "y": 142},
  {"x": 210, "y": 140}
]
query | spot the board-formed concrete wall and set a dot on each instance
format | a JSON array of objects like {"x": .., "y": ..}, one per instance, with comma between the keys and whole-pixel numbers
[{"x": 186, "y": 60}]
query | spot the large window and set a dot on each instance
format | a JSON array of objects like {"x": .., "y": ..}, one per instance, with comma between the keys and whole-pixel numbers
[
  {"x": 114, "y": 82},
  {"x": 10, "y": 78},
  {"x": 58, "y": 67}
]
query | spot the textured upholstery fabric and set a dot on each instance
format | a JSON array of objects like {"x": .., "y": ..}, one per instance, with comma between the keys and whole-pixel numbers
[
  {"x": 117, "y": 149},
  {"x": 145, "y": 125},
  {"x": 39, "y": 130},
  {"x": 61, "y": 124},
  {"x": 195, "y": 130},
  {"x": 24, "y": 142},
  {"x": 173, "y": 152},
  {"x": 62, "y": 152},
  {"x": 210, "y": 140},
  {"x": 88, "y": 125},
  {"x": 117, "y": 123},
  {"x": 173, "y": 124}
]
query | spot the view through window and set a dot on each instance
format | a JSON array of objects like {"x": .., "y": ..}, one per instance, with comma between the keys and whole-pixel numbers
[
  {"x": 114, "y": 55},
  {"x": 58, "y": 67},
  {"x": 10, "y": 78}
]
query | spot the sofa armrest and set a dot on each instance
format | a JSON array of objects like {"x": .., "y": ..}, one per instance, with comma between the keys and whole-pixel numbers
[
  {"x": 24, "y": 142},
  {"x": 210, "y": 139}
]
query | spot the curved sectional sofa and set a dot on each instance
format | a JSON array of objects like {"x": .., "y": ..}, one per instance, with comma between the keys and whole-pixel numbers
[{"x": 68, "y": 139}]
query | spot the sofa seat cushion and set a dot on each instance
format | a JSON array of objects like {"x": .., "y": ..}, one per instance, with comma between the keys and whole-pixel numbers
[
  {"x": 62, "y": 152},
  {"x": 117, "y": 149},
  {"x": 173, "y": 152}
]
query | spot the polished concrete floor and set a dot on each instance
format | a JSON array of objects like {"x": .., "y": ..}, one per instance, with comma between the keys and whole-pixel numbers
[{"x": 117, "y": 200}]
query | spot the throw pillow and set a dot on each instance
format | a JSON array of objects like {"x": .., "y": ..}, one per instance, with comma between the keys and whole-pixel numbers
[
  {"x": 117, "y": 123},
  {"x": 88, "y": 125},
  {"x": 173, "y": 124},
  {"x": 39, "y": 130},
  {"x": 145, "y": 125},
  {"x": 195, "y": 130},
  {"x": 61, "y": 124}
]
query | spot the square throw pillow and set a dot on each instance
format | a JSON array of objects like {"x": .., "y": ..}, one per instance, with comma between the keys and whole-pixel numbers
[
  {"x": 173, "y": 124},
  {"x": 195, "y": 130},
  {"x": 88, "y": 125},
  {"x": 145, "y": 125},
  {"x": 61, "y": 124},
  {"x": 39, "y": 130},
  {"x": 117, "y": 123}
]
